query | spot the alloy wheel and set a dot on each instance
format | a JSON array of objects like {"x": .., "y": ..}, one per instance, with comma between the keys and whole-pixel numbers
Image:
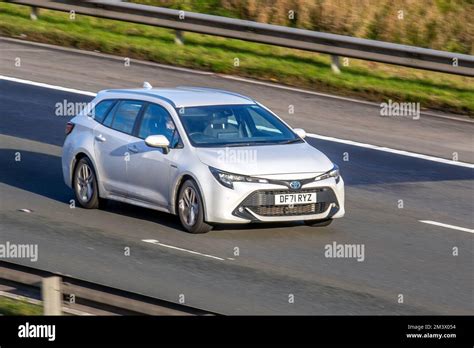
[
  {"x": 84, "y": 182},
  {"x": 189, "y": 206}
]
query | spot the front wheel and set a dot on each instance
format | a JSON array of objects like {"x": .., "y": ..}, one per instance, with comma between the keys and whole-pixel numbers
[
  {"x": 191, "y": 208},
  {"x": 318, "y": 223}
]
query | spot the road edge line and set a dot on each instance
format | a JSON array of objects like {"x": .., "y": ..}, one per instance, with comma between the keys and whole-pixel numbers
[
  {"x": 103, "y": 55},
  {"x": 394, "y": 151},
  {"x": 311, "y": 135}
]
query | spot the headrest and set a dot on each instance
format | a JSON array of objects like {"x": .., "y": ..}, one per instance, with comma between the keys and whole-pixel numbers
[{"x": 219, "y": 120}]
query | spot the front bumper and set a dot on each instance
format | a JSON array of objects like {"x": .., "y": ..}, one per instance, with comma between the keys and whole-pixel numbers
[
  {"x": 254, "y": 202},
  {"x": 260, "y": 206}
]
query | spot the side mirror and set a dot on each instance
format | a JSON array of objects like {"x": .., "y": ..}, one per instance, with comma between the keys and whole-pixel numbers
[
  {"x": 300, "y": 132},
  {"x": 159, "y": 141}
]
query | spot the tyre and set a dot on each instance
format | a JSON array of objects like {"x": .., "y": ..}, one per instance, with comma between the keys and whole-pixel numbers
[
  {"x": 191, "y": 208},
  {"x": 85, "y": 185},
  {"x": 318, "y": 223}
]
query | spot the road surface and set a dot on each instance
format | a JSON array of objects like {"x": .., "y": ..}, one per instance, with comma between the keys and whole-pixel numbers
[{"x": 387, "y": 194}]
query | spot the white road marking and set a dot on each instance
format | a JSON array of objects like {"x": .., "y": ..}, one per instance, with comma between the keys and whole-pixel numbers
[
  {"x": 447, "y": 226},
  {"x": 229, "y": 77},
  {"x": 156, "y": 242},
  {"x": 398, "y": 152},
  {"x": 323, "y": 137},
  {"x": 46, "y": 85}
]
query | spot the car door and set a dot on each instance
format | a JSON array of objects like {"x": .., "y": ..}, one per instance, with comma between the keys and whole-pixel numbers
[
  {"x": 111, "y": 145},
  {"x": 150, "y": 168}
]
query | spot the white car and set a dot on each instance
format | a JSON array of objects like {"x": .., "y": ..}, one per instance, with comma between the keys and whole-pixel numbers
[{"x": 210, "y": 156}]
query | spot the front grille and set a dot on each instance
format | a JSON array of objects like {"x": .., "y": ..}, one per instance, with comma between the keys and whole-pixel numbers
[
  {"x": 282, "y": 210},
  {"x": 263, "y": 203},
  {"x": 258, "y": 198}
]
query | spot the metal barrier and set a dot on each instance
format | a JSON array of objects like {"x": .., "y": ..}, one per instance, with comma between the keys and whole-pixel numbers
[
  {"x": 335, "y": 45},
  {"x": 57, "y": 290}
]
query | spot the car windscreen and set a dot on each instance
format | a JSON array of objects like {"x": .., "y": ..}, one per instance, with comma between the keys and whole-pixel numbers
[{"x": 233, "y": 125}]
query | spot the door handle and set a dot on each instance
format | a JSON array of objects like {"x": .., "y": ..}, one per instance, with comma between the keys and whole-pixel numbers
[
  {"x": 100, "y": 138},
  {"x": 133, "y": 148}
]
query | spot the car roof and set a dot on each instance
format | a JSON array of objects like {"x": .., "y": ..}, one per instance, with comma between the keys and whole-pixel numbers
[{"x": 189, "y": 96}]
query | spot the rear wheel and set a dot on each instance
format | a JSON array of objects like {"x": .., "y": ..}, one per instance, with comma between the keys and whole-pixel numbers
[
  {"x": 191, "y": 208},
  {"x": 85, "y": 185},
  {"x": 318, "y": 223}
]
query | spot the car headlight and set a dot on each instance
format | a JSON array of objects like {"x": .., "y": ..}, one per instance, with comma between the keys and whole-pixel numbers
[
  {"x": 228, "y": 179},
  {"x": 333, "y": 173}
]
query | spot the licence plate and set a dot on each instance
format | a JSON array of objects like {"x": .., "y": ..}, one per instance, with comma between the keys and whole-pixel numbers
[{"x": 295, "y": 198}]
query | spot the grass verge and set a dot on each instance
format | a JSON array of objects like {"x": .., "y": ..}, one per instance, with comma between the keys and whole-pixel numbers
[
  {"x": 18, "y": 307},
  {"x": 367, "y": 80}
]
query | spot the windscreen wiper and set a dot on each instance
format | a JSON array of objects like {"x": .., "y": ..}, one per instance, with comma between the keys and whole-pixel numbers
[
  {"x": 239, "y": 144},
  {"x": 291, "y": 141}
]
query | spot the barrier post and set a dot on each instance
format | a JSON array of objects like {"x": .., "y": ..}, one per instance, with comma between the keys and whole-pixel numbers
[{"x": 52, "y": 296}]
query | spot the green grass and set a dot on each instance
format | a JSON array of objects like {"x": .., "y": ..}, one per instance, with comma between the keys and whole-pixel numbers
[
  {"x": 17, "y": 307},
  {"x": 441, "y": 24},
  {"x": 368, "y": 80}
]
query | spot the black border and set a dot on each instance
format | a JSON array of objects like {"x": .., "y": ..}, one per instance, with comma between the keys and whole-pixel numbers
[{"x": 221, "y": 330}]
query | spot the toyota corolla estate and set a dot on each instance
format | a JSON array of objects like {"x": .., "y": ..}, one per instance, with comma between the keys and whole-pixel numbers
[{"x": 209, "y": 156}]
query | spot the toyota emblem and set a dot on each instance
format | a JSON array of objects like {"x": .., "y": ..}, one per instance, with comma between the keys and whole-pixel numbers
[{"x": 295, "y": 185}]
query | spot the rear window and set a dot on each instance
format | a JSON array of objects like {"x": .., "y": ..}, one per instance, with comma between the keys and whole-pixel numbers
[
  {"x": 100, "y": 110},
  {"x": 125, "y": 115}
]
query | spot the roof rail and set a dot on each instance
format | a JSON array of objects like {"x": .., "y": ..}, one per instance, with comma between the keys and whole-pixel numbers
[
  {"x": 141, "y": 92},
  {"x": 215, "y": 90}
]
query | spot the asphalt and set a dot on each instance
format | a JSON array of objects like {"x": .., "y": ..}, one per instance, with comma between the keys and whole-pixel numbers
[
  {"x": 92, "y": 71},
  {"x": 402, "y": 255}
]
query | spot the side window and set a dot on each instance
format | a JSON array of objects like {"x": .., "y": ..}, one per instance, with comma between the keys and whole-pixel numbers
[
  {"x": 156, "y": 120},
  {"x": 125, "y": 115},
  {"x": 110, "y": 116},
  {"x": 100, "y": 110}
]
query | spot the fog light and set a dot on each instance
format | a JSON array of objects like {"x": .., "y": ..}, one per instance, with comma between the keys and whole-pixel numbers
[{"x": 241, "y": 209}]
